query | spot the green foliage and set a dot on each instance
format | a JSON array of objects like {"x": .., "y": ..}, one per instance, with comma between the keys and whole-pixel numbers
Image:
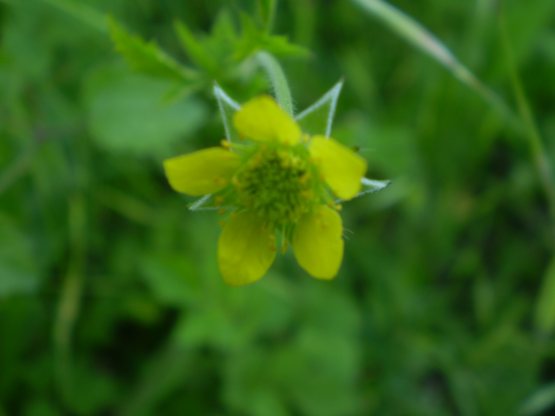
[
  {"x": 147, "y": 57},
  {"x": 195, "y": 50},
  {"x": 110, "y": 297},
  {"x": 214, "y": 55},
  {"x": 255, "y": 38},
  {"x": 541, "y": 401},
  {"x": 127, "y": 114}
]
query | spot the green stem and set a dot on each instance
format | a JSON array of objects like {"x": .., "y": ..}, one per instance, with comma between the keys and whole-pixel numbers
[
  {"x": 277, "y": 79},
  {"x": 531, "y": 130},
  {"x": 70, "y": 298}
]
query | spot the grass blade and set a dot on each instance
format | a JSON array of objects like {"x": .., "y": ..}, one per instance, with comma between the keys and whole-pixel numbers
[{"x": 416, "y": 34}]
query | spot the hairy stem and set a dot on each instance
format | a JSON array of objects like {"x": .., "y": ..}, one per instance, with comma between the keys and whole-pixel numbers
[{"x": 277, "y": 79}]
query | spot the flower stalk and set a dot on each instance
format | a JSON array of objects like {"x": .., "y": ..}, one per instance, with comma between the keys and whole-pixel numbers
[{"x": 277, "y": 79}]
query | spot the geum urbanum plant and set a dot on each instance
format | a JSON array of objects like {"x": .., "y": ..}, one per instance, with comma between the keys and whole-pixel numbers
[{"x": 278, "y": 185}]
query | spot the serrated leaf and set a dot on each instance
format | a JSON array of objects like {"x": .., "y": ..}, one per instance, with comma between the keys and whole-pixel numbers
[
  {"x": 280, "y": 46},
  {"x": 224, "y": 37},
  {"x": 248, "y": 41},
  {"x": 545, "y": 308},
  {"x": 266, "y": 11},
  {"x": 222, "y": 42},
  {"x": 147, "y": 57},
  {"x": 254, "y": 39},
  {"x": 223, "y": 28},
  {"x": 194, "y": 49}
]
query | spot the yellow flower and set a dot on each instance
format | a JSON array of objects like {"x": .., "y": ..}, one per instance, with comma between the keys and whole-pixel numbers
[{"x": 279, "y": 184}]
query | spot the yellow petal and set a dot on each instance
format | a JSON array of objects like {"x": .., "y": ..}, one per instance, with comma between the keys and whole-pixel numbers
[
  {"x": 202, "y": 172},
  {"x": 262, "y": 120},
  {"x": 246, "y": 249},
  {"x": 341, "y": 168},
  {"x": 318, "y": 243}
]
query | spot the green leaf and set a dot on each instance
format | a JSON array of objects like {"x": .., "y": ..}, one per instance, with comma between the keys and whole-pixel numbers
[
  {"x": 126, "y": 113},
  {"x": 545, "y": 308},
  {"x": 280, "y": 46},
  {"x": 267, "y": 11},
  {"x": 223, "y": 34},
  {"x": 540, "y": 402},
  {"x": 194, "y": 49},
  {"x": 147, "y": 57},
  {"x": 254, "y": 39},
  {"x": 221, "y": 44}
]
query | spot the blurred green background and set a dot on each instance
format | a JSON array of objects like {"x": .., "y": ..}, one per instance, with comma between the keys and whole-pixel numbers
[{"x": 110, "y": 299}]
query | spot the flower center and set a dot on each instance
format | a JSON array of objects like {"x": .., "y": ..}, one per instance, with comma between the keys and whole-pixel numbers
[{"x": 277, "y": 184}]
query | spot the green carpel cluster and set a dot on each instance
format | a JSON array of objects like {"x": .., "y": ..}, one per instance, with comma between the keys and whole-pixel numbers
[{"x": 276, "y": 184}]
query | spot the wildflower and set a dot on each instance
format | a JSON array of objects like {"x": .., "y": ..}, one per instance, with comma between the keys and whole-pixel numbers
[{"x": 281, "y": 186}]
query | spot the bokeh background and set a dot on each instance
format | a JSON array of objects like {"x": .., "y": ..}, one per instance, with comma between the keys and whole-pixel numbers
[{"x": 110, "y": 299}]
